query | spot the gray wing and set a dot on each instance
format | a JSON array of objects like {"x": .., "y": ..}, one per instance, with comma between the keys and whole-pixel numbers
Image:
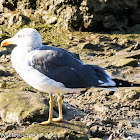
[{"x": 65, "y": 67}]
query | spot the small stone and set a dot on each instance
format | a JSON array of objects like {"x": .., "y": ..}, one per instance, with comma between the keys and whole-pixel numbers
[
  {"x": 111, "y": 137},
  {"x": 126, "y": 62},
  {"x": 10, "y": 127},
  {"x": 7, "y": 73},
  {"x": 2, "y": 20},
  {"x": 39, "y": 138},
  {"x": 95, "y": 47},
  {"x": 89, "y": 124},
  {"x": 119, "y": 95},
  {"x": 91, "y": 54},
  {"x": 132, "y": 94},
  {"x": 4, "y": 73},
  {"x": 94, "y": 128},
  {"x": 104, "y": 38},
  {"x": 51, "y": 20},
  {"x": 2, "y": 68},
  {"x": 95, "y": 139},
  {"x": 77, "y": 118},
  {"x": 3, "y": 84},
  {"x": 108, "y": 121},
  {"x": 1, "y": 73},
  {"x": 127, "y": 94},
  {"x": 123, "y": 124},
  {"x": 100, "y": 108},
  {"x": 71, "y": 37}
]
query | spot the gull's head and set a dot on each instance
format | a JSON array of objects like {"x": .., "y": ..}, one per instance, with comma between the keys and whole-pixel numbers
[{"x": 27, "y": 39}]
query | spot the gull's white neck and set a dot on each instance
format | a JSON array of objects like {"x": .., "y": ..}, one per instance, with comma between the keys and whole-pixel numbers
[{"x": 18, "y": 59}]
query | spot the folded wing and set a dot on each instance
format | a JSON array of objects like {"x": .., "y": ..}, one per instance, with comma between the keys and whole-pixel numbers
[{"x": 65, "y": 67}]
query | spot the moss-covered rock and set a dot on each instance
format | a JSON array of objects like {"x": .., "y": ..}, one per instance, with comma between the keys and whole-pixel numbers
[
  {"x": 22, "y": 106},
  {"x": 71, "y": 130}
]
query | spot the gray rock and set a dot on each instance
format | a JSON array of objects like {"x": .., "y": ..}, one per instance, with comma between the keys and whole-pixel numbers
[
  {"x": 22, "y": 106},
  {"x": 64, "y": 130}
]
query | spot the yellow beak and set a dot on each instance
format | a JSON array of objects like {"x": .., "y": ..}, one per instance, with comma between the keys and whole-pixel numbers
[{"x": 7, "y": 42}]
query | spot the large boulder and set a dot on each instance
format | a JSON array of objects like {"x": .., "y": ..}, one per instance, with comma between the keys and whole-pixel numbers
[{"x": 22, "y": 106}]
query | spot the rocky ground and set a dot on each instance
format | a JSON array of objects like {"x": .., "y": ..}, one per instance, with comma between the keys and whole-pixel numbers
[
  {"x": 102, "y": 32},
  {"x": 96, "y": 113}
]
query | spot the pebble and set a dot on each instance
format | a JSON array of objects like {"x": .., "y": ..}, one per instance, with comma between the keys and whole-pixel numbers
[
  {"x": 95, "y": 139},
  {"x": 10, "y": 127}
]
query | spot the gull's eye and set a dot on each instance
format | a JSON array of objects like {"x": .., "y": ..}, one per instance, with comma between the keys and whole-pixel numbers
[{"x": 19, "y": 36}]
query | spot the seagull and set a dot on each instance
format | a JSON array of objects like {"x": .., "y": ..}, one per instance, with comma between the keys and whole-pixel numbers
[{"x": 54, "y": 70}]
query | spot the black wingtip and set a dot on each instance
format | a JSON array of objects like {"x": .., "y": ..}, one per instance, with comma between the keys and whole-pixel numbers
[
  {"x": 135, "y": 85},
  {"x": 123, "y": 83}
]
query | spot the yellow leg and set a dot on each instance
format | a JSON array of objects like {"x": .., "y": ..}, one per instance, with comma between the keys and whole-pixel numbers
[
  {"x": 50, "y": 111},
  {"x": 59, "y": 99}
]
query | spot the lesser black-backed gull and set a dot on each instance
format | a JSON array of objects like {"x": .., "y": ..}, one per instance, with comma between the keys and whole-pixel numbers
[{"x": 53, "y": 70}]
